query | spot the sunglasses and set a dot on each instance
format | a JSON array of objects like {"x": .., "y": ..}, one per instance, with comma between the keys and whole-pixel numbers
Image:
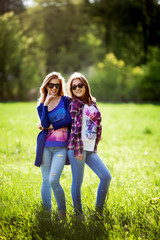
[
  {"x": 79, "y": 85},
  {"x": 52, "y": 85}
]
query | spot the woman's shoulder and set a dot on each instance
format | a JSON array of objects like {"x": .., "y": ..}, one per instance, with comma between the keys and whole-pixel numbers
[
  {"x": 94, "y": 103},
  {"x": 66, "y": 99},
  {"x": 40, "y": 105},
  {"x": 77, "y": 101},
  {"x": 76, "y": 105}
]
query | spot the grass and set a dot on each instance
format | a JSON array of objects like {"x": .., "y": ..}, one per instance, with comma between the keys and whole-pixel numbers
[{"x": 130, "y": 147}]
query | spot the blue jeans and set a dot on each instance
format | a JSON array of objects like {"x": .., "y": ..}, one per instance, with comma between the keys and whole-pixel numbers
[
  {"x": 96, "y": 164},
  {"x": 52, "y": 165}
]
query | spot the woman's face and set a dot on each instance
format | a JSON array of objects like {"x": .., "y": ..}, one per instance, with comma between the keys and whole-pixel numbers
[
  {"x": 53, "y": 86},
  {"x": 78, "y": 88}
]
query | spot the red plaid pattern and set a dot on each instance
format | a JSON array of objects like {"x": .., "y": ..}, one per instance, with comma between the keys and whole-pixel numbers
[{"x": 75, "y": 141}]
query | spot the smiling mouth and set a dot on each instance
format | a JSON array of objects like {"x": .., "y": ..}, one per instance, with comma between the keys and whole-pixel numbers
[
  {"x": 53, "y": 93},
  {"x": 79, "y": 92}
]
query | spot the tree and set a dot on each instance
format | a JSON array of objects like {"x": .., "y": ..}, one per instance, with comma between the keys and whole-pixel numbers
[
  {"x": 10, "y": 53},
  {"x": 19, "y": 63},
  {"x": 129, "y": 27},
  {"x": 66, "y": 33},
  {"x": 11, "y": 5}
]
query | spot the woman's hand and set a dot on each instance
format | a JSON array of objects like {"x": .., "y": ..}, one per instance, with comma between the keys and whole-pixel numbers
[
  {"x": 40, "y": 127},
  {"x": 48, "y": 99},
  {"x": 50, "y": 127},
  {"x": 79, "y": 157}
]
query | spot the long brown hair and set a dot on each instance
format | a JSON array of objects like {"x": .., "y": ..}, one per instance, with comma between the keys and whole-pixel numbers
[
  {"x": 48, "y": 78},
  {"x": 88, "y": 98}
]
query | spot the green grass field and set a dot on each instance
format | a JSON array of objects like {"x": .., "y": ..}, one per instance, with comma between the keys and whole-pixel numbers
[{"x": 130, "y": 147}]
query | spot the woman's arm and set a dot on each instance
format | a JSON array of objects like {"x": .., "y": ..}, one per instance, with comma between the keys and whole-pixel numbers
[
  {"x": 43, "y": 115},
  {"x": 67, "y": 120},
  {"x": 64, "y": 122},
  {"x": 99, "y": 126},
  {"x": 76, "y": 115},
  {"x": 43, "y": 111}
]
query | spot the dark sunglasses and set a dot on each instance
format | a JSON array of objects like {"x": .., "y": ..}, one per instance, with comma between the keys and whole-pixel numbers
[
  {"x": 79, "y": 85},
  {"x": 52, "y": 85}
]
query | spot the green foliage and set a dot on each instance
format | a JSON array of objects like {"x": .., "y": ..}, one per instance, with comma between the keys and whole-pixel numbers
[
  {"x": 74, "y": 35},
  {"x": 114, "y": 81},
  {"x": 130, "y": 149},
  {"x": 10, "y": 56},
  {"x": 65, "y": 36},
  {"x": 150, "y": 81},
  {"x": 128, "y": 28},
  {"x": 18, "y": 60}
]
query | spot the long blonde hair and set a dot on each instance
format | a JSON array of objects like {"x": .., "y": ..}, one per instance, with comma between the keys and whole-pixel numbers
[
  {"x": 48, "y": 78},
  {"x": 88, "y": 98}
]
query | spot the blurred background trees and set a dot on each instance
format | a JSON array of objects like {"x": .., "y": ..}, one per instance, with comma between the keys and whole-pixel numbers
[
  {"x": 116, "y": 44},
  {"x": 130, "y": 27}
]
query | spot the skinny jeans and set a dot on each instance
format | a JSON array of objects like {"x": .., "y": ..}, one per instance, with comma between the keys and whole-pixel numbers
[
  {"x": 53, "y": 161},
  {"x": 96, "y": 164}
]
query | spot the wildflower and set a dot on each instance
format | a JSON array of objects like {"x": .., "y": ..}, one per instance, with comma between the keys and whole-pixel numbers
[
  {"x": 100, "y": 65},
  {"x": 110, "y": 57},
  {"x": 137, "y": 70},
  {"x": 120, "y": 64}
]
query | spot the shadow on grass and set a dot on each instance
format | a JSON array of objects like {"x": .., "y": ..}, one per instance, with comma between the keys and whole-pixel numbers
[{"x": 91, "y": 226}]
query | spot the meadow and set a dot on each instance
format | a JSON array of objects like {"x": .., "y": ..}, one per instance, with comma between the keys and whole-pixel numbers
[{"x": 130, "y": 147}]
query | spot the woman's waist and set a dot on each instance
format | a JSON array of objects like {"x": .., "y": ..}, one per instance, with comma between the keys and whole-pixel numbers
[
  {"x": 59, "y": 129},
  {"x": 60, "y": 134},
  {"x": 56, "y": 144}
]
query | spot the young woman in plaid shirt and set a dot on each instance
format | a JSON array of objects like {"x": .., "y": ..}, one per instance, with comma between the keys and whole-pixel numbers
[{"x": 82, "y": 144}]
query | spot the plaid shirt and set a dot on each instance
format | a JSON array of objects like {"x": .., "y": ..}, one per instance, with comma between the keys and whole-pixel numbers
[{"x": 75, "y": 141}]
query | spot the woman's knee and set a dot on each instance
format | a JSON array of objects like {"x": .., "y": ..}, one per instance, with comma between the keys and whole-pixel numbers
[
  {"x": 53, "y": 180},
  {"x": 106, "y": 176}
]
